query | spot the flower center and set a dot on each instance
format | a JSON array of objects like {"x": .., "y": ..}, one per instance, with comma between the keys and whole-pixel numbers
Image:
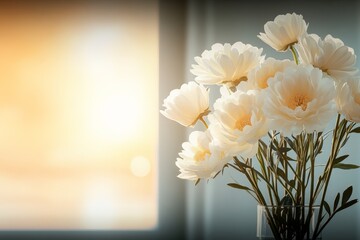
[
  {"x": 299, "y": 100},
  {"x": 243, "y": 121},
  {"x": 201, "y": 154}
]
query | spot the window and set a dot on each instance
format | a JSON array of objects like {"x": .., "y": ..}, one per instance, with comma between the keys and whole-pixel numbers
[{"x": 78, "y": 115}]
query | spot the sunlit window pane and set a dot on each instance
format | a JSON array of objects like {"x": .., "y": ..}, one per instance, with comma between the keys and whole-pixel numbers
[{"x": 78, "y": 115}]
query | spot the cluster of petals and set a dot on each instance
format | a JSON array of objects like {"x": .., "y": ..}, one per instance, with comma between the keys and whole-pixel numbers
[
  {"x": 284, "y": 31},
  {"x": 348, "y": 98},
  {"x": 299, "y": 99},
  {"x": 226, "y": 64},
  {"x": 200, "y": 158},
  {"x": 238, "y": 123},
  {"x": 187, "y": 104},
  {"x": 329, "y": 54},
  {"x": 258, "y": 94},
  {"x": 259, "y": 76}
]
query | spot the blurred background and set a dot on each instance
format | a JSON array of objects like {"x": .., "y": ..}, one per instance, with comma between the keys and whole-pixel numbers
[
  {"x": 84, "y": 152},
  {"x": 78, "y": 115}
]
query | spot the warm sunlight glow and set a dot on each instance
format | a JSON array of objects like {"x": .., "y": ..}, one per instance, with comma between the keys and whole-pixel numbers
[
  {"x": 78, "y": 103},
  {"x": 115, "y": 117},
  {"x": 100, "y": 204},
  {"x": 140, "y": 166}
]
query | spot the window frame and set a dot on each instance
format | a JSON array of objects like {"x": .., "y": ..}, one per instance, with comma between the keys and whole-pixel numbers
[{"x": 171, "y": 190}]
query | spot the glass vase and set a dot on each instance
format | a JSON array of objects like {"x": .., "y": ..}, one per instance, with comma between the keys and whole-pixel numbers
[{"x": 287, "y": 222}]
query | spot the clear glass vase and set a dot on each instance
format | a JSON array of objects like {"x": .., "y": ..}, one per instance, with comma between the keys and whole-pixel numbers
[{"x": 287, "y": 222}]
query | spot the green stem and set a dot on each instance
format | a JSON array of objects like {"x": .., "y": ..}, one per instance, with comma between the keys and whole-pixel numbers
[
  {"x": 260, "y": 197},
  {"x": 266, "y": 174},
  {"x": 293, "y": 51},
  {"x": 329, "y": 167},
  {"x": 241, "y": 167},
  {"x": 285, "y": 161},
  {"x": 299, "y": 169},
  {"x": 303, "y": 178},
  {"x": 312, "y": 179},
  {"x": 303, "y": 193},
  {"x": 273, "y": 167},
  {"x": 287, "y": 191},
  {"x": 204, "y": 122}
]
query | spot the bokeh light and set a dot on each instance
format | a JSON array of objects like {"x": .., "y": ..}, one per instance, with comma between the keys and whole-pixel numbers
[{"x": 78, "y": 102}]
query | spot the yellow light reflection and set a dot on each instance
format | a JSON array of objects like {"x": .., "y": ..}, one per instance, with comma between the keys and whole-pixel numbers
[
  {"x": 140, "y": 166},
  {"x": 115, "y": 117},
  {"x": 78, "y": 102},
  {"x": 100, "y": 204}
]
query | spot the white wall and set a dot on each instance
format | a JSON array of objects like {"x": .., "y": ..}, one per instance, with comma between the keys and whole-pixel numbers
[{"x": 216, "y": 211}]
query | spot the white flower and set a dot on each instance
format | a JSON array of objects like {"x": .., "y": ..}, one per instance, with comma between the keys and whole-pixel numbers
[
  {"x": 226, "y": 64},
  {"x": 238, "y": 123},
  {"x": 200, "y": 158},
  {"x": 244, "y": 86},
  {"x": 348, "y": 99},
  {"x": 284, "y": 31},
  {"x": 300, "y": 98},
  {"x": 330, "y": 55},
  {"x": 187, "y": 104},
  {"x": 258, "y": 77}
]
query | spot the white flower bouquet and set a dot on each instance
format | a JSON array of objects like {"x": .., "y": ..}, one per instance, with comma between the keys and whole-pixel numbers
[{"x": 269, "y": 122}]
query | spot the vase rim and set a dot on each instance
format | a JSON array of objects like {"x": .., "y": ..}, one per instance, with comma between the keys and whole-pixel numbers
[{"x": 306, "y": 205}]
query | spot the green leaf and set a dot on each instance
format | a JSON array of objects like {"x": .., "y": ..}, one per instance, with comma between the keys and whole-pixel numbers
[
  {"x": 281, "y": 173},
  {"x": 240, "y": 164},
  {"x": 346, "y": 195},
  {"x": 346, "y": 166},
  {"x": 318, "y": 145},
  {"x": 356, "y": 130},
  {"x": 340, "y": 159},
  {"x": 284, "y": 149},
  {"x": 345, "y": 141},
  {"x": 290, "y": 142},
  {"x": 238, "y": 186},
  {"x": 292, "y": 183},
  {"x": 197, "y": 181},
  {"x": 287, "y": 200},
  {"x": 217, "y": 174},
  {"x": 327, "y": 208},
  {"x": 348, "y": 204},
  {"x": 262, "y": 149},
  {"x": 222, "y": 170},
  {"x": 336, "y": 201}
]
